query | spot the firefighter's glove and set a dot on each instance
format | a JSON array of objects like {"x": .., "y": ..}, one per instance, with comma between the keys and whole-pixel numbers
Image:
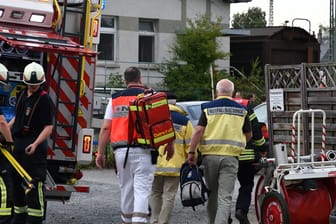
[
  {"x": 100, "y": 160},
  {"x": 169, "y": 150}
]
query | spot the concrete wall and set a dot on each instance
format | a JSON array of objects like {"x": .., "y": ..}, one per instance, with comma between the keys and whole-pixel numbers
[{"x": 171, "y": 18}]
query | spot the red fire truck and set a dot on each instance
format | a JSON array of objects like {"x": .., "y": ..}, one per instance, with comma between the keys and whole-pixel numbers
[{"x": 58, "y": 35}]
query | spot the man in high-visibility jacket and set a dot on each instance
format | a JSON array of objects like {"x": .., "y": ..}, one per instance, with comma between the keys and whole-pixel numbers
[
  {"x": 166, "y": 180},
  {"x": 135, "y": 177},
  {"x": 255, "y": 148},
  {"x": 222, "y": 132}
]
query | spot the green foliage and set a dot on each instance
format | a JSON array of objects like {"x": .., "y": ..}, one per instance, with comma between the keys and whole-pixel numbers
[
  {"x": 254, "y": 18},
  {"x": 116, "y": 80},
  {"x": 188, "y": 72},
  {"x": 249, "y": 83}
]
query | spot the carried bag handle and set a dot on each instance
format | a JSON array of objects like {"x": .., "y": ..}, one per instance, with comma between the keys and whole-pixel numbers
[{"x": 149, "y": 91}]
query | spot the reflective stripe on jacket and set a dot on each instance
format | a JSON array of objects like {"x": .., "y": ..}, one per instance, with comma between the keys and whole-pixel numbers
[
  {"x": 223, "y": 134},
  {"x": 120, "y": 108},
  {"x": 183, "y": 130},
  {"x": 256, "y": 143}
]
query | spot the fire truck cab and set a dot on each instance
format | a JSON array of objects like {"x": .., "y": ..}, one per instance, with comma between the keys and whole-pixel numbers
[{"x": 56, "y": 34}]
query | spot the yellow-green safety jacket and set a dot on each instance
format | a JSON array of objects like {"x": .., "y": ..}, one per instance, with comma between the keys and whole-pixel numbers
[
  {"x": 183, "y": 131},
  {"x": 223, "y": 134}
]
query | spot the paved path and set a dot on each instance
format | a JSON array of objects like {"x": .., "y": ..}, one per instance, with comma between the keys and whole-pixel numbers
[{"x": 102, "y": 204}]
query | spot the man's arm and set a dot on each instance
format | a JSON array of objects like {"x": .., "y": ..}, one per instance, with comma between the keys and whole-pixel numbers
[
  {"x": 103, "y": 139},
  {"x": 45, "y": 133},
  {"x": 195, "y": 139},
  {"x": 247, "y": 129},
  {"x": 4, "y": 129},
  {"x": 248, "y": 136},
  {"x": 11, "y": 123}
]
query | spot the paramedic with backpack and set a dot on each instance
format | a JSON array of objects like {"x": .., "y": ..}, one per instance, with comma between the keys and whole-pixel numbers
[
  {"x": 136, "y": 177},
  {"x": 5, "y": 167},
  {"x": 31, "y": 127},
  {"x": 222, "y": 132},
  {"x": 254, "y": 150},
  {"x": 166, "y": 179}
]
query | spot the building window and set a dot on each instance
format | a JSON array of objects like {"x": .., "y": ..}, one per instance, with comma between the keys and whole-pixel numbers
[
  {"x": 146, "y": 40},
  {"x": 106, "y": 47}
]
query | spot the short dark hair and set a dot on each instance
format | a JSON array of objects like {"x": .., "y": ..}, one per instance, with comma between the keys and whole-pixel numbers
[
  {"x": 171, "y": 95},
  {"x": 250, "y": 95},
  {"x": 132, "y": 74}
]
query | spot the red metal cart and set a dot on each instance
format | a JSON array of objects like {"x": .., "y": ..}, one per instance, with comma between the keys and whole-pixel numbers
[{"x": 294, "y": 188}]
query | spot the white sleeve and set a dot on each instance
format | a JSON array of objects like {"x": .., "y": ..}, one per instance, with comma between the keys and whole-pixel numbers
[{"x": 108, "y": 111}]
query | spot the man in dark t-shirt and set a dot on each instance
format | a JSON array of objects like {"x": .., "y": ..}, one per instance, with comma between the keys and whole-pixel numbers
[{"x": 31, "y": 127}]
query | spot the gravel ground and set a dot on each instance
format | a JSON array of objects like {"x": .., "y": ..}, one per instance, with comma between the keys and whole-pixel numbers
[{"x": 101, "y": 205}]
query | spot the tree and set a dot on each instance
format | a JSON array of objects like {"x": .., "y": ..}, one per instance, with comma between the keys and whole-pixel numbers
[
  {"x": 187, "y": 73},
  {"x": 116, "y": 80},
  {"x": 254, "y": 18},
  {"x": 254, "y": 82}
]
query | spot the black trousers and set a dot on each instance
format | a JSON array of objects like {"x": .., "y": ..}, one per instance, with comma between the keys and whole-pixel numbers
[
  {"x": 29, "y": 207},
  {"x": 246, "y": 173},
  {"x": 6, "y": 194}
]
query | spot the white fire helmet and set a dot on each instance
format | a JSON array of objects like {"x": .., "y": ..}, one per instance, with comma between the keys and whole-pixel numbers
[
  {"x": 33, "y": 74},
  {"x": 3, "y": 75}
]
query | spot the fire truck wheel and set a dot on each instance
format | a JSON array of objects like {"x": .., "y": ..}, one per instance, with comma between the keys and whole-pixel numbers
[{"x": 274, "y": 209}]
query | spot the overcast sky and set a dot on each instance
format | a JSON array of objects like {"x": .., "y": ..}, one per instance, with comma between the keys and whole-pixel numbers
[{"x": 298, "y": 12}]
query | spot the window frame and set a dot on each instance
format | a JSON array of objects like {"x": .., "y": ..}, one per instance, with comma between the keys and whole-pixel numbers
[
  {"x": 112, "y": 31},
  {"x": 147, "y": 33}
]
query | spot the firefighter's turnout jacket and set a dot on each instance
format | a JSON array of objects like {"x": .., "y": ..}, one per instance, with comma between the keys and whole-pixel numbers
[
  {"x": 223, "y": 114},
  {"x": 120, "y": 107},
  {"x": 183, "y": 130},
  {"x": 257, "y": 143}
]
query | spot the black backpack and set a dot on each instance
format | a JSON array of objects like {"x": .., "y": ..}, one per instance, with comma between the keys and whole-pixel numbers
[{"x": 194, "y": 190}]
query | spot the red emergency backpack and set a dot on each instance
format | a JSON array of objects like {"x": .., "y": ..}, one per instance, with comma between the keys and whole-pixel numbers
[{"x": 150, "y": 119}]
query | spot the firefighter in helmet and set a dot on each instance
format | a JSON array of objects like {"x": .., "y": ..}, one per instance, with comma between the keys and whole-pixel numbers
[
  {"x": 5, "y": 167},
  {"x": 31, "y": 127}
]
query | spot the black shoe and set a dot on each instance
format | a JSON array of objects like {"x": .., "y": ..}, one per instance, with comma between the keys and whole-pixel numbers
[{"x": 242, "y": 217}]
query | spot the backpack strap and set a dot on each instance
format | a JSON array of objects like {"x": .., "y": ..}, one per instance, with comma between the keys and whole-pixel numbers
[
  {"x": 138, "y": 125},
  {"x": 42, "y": 93},
  {"x": 33, "y": 110},
  {"x": 130, "y": 135},
  {"x": 19, "y": 101},
  {"x": 190, "y": 195}
]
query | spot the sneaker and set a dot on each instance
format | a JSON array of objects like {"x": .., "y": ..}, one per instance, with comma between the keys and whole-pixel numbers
[{"x": 242, "y": 217}]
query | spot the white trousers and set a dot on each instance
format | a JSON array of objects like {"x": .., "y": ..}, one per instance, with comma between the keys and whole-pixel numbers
[{"x": 135, "y": 183}]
